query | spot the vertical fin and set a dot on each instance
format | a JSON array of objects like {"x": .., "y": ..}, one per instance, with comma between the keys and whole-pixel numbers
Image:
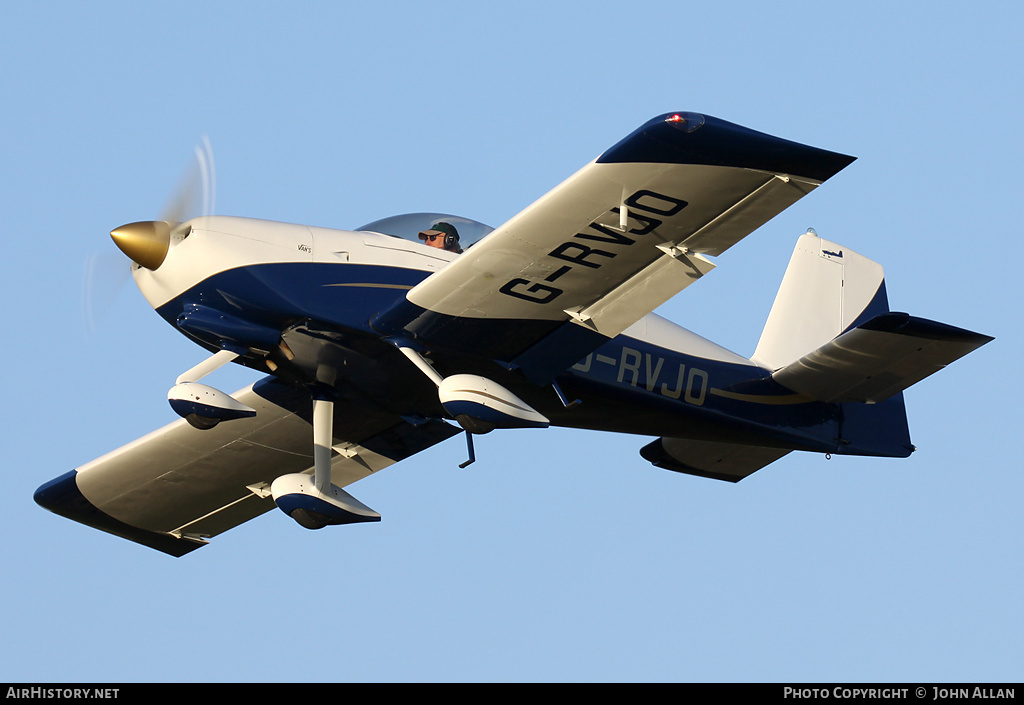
[{"x": 827, "y": 289}]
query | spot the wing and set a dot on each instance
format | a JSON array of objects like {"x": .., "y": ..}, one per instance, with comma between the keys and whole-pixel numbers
[
  {"x": 177, "y": 486},
  {"x": 610, "y": 244}
]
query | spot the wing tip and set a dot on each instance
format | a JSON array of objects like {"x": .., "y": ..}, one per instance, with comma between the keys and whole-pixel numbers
[
  {"x": 702, "y": 139},
  {"x": 62, "y": 496}
]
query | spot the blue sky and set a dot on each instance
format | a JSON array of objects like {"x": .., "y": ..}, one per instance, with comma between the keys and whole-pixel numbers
[{"x": 560, "y": 555}]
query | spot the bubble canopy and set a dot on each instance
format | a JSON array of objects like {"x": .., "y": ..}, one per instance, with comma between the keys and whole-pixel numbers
[{"x": 409, "y": 225}]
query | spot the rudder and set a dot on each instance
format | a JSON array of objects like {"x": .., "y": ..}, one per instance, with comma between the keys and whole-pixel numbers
[{"x": 827, "y": 289}]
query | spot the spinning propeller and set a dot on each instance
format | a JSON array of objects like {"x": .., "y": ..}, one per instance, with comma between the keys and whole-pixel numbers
[{"x": 146, "y": 242}]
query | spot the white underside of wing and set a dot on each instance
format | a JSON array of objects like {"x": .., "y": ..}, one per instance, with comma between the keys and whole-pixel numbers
[
  {"x": 568, "y": 253},
  {"x": 187, "y": 482}
]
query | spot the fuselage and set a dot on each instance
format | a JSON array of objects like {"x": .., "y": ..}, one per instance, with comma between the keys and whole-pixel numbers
[{"x": 252, "y": 285}]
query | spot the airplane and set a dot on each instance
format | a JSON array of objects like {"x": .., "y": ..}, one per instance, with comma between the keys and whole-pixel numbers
[{"x": 379, "y": 342}]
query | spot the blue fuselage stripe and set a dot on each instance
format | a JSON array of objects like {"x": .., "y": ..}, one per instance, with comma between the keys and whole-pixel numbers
[{"x": 668, "y": 389}]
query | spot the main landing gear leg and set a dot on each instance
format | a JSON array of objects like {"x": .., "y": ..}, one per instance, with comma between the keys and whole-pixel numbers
[
  {"x": 323, "y": 439},
  {"x": 317, "y": 502},
  {"x": 479, "y": 404}
]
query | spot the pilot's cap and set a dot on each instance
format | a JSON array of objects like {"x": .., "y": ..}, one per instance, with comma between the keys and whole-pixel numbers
[{"x": 441, "y": 228}]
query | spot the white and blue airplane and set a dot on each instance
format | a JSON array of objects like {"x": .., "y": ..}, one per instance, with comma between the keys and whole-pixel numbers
[{"x": 379, "y": 342}]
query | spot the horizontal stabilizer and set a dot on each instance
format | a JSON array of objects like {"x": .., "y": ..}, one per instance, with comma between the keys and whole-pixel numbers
[
  {"x": 718, "y": 461},
  {"x": 877, "y": 359}
]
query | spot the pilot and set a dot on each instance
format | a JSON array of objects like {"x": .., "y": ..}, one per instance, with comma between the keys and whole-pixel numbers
[{"x": 443, "y": 236}]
